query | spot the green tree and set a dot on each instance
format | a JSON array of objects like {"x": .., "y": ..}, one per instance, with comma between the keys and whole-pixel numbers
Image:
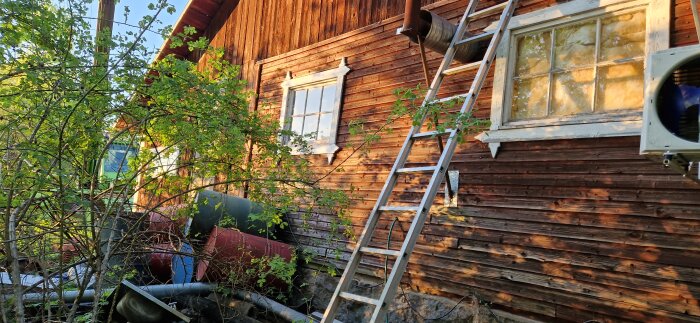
[{"x": 57, "y": 108}]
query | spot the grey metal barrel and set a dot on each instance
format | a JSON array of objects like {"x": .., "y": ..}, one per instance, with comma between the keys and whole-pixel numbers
[{"x": 213, "y": 206}]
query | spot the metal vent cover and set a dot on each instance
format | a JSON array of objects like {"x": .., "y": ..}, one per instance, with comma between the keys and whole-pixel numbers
[{"x": 672, "y": 99}]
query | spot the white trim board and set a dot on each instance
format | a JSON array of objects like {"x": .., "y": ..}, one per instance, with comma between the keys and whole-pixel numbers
[
  {"x": 586, "y": 130},
  {"x": 658, "y": 38}
]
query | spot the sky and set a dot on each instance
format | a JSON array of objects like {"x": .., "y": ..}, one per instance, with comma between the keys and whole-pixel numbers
[{"x": 137, "y": 9}]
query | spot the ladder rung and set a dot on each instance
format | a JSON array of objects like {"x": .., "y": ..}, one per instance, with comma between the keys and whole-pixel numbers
[
  {"x": 358, "y": 298},
  {"x": 476, "y": 38},
  {"x": 399, "y": 208},
  {"x": 450, "y": 98},
  {"x": 487, "y": 11},
  {"x": 461, "y": 68},
  {"x": 383, "y": 252},
  {"x": 430, "y": 134},
  {"x": 423, "y": 169}
]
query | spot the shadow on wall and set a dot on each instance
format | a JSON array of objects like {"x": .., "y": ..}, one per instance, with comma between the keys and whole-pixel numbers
[{"x": 566, "y": 229}]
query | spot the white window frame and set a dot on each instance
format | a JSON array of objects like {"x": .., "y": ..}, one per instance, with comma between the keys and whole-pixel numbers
[
  {"x": 615, "y": 124},
  {"x": 165, "y": 161},
  {"x": 335, "y": 76},
  {"x": 129, "y": 151}
]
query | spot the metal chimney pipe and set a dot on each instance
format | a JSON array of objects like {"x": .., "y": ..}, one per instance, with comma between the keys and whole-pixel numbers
[
  {"x": 413, "y": 25},
  {"x": 435, "y": 32}
]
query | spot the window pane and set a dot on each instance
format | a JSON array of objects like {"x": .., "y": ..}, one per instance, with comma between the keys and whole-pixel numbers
[
  {"x": 530, "y": 98},
  {"x": 116, "y": 161},
  {"x": 620, "y": 87},
  {"x": 299, "y": 102},
  {"x": 623, "y": 36},
  {"x": 533, "y": 54},
  {"x": 575, "y": 45},
  {"x": 328, "y": 101},
  {"x": 324, "y": 126},
  {"x": 572, "y": 92},
  {"x": 310, "y": 124},
  {"x": 297, "y": 122},
  {"x": 165, "y": 160},
  {"x": 313, "y": 102}
]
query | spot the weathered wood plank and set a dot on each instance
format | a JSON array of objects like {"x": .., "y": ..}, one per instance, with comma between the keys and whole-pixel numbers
[{"x": 564, "y": 229}]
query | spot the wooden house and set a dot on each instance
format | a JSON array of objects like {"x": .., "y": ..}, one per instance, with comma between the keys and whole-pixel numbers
[{"x": 558, "y": 216}]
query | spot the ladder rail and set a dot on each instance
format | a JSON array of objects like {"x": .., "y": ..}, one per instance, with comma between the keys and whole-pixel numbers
[
  {"x": 489, "y": 56},
  {"x": 390, "y": 183},
  {"x": 412, "y": 235},
  {"x": 438, "y": 176}
]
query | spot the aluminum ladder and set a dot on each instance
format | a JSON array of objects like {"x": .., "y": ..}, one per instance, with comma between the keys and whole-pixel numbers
[{"x": 438, "y": 171}]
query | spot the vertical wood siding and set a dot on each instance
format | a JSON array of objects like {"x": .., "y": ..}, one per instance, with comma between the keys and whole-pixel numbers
[{"x": 562, "y": 230}]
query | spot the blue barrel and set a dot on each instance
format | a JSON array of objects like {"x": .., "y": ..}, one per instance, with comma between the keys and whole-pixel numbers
[
  {"x": 168, "y": 263},
  {"x": 183, "y": 265}
]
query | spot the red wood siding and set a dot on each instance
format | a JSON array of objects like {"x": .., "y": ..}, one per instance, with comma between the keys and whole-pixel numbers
[
  {"x": 251, "y": 30},
  {"x": 563, "y": 230}
]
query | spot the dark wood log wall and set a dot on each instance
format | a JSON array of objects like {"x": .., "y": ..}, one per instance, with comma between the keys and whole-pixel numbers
[{"x": 563, "y": 230}]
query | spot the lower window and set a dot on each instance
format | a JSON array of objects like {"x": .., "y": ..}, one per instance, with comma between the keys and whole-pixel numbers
[{"x": 575, "y": 70}]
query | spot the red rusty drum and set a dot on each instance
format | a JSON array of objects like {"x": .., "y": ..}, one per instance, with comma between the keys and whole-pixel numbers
[
  {"x": 229, "y": 250},
  {"x": 69, "y": 250},
  {"x": 166, "y": 222},
  {"x": 171, "y": 262},
  {"x": 160, "y": 261}
]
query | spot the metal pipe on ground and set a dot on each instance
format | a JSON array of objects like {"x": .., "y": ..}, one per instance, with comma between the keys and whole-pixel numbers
[
  {"x": 169, "y": 290},
  {"x": 280, "y": 310}
]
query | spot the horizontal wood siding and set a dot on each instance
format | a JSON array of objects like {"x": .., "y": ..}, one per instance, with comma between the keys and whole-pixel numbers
[{"x": 562, "y": 230}]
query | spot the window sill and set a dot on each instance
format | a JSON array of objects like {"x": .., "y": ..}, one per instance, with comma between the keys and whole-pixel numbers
[
  {"x": 570, "y": 131},
  {"x": 598, "y": 118},
  {"x": 319, "y": 149}
]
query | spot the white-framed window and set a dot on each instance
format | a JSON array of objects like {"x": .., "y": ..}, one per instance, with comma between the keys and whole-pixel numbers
[
  {"x": 575, "y": 70},
  {"x": 311, "y": 109},
  {"x": 115, "y": 164},
  {"x": 164, "y": 161}
]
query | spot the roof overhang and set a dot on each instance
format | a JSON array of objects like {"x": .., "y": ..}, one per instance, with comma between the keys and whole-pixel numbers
[{"x": 198, "y": 14}]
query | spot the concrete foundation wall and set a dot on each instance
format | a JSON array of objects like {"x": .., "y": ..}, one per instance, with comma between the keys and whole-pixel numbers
[{"x": 409, "y": 306}]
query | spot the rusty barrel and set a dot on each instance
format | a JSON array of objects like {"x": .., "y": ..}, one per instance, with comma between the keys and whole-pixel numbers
[
  {"x": 170, "y": 263},
  {"x": 167, "y": 222},
  {"x": 229, "y": 250}
]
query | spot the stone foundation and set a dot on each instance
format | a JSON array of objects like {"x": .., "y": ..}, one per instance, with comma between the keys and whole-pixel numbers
[{"x": 409, "y": 306}]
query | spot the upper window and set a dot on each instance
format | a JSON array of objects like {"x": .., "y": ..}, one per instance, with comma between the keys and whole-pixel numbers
[
  {"x": 575, "y": 70},
  {"x": 311, "y": 109}
]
